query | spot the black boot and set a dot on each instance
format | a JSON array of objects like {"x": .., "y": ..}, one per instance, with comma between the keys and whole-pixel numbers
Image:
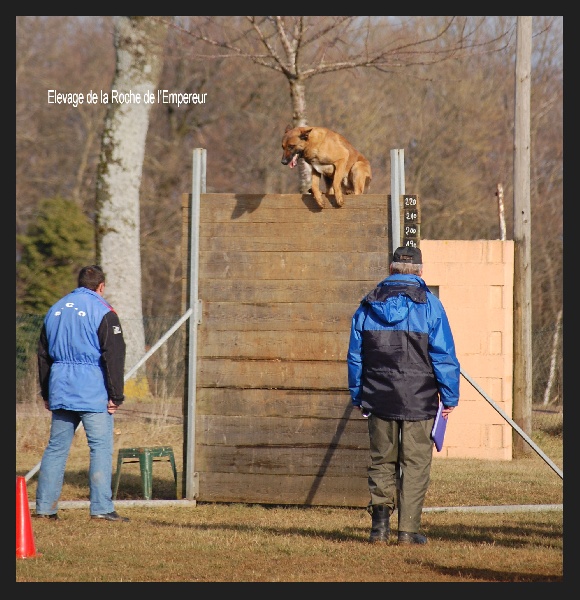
[
  {"x": 408, "y": 537},
  {"x": 381, "y": 529}
]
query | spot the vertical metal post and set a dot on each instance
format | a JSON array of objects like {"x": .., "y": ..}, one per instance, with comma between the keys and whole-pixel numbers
[
  {"x": 397, "y": 189},
  {"x": 197, "y": 188}
]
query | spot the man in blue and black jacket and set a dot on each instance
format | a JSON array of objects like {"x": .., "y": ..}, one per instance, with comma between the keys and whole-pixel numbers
[
  {"x": 81, "y": 362},
  {"x": 401, "y": 364}
]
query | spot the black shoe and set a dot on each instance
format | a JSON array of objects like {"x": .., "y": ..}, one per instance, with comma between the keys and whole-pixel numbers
[
  {"x": 406, "y": 537},
  {"x": 381, "y": 529},
  {"x": 53, "y": 517},
  {"x": 112, "y": 516}
]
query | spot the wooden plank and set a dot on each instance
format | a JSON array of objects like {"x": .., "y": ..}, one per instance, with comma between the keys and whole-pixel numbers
[
  {"x": 321, "y": 462},
  {"x": 275, "y": 374},
  {"x": 301, "y": 241},
  {"x": 256, "y": 431},
  {"x": 284, "y": 489},
  {"x": 301, "y": 403},
  {"x": 279, "y": 236},
  {"x": 291, "y": 208},
  {"x": 286, "y": 345},
  {"x": 279, "y": 230},
  {"x": 294, "y": 265},
  {"x": 290, "y": 316},
  {"x": 284, "y": 290},
  {"x": 293, "y": 215}
]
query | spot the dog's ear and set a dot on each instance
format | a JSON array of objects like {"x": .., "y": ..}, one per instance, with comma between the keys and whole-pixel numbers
[
  {"x": 304, "y": 133},
  {"x": 288, "y": 128}
]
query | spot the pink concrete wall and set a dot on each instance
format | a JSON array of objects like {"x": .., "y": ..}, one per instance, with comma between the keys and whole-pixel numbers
[{"x": 475, "y": 281}]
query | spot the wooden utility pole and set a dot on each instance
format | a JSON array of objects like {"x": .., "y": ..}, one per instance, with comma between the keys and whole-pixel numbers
[{"x": 522, "y": 386}]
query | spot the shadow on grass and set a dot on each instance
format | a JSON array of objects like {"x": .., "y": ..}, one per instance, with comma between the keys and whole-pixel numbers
[
  {"x": 76, "y": 485},
  {"x": 522, "y": 536}
]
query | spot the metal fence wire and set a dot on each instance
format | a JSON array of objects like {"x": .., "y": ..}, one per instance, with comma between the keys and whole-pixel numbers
[{"x": 166, "y": 368}]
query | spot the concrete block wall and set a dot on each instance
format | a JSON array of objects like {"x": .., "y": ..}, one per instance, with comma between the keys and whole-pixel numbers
[{"x": 474, "y": 279}]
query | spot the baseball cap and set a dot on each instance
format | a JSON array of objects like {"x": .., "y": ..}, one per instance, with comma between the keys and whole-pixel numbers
[{"x": 408, "y": 254}]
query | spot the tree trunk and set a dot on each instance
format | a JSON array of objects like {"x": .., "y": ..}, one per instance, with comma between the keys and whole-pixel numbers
[
  {"x": 553, "y": 359},
  {"x": 139, "y": 61},
  {"x": 298, "y": 97}
]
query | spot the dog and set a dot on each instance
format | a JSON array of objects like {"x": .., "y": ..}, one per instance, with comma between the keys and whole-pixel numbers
[{"x": 330, "y": 155}]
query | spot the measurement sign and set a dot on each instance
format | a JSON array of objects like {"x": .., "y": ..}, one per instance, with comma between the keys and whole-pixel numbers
[{"x": 410, "y": 220}]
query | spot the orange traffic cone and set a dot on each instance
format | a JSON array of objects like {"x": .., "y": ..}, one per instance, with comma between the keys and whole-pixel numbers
[{"x": 24, "y": 539}]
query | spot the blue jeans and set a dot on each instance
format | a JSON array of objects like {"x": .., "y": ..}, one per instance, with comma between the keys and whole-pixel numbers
[{"x": 99, "y": 430}]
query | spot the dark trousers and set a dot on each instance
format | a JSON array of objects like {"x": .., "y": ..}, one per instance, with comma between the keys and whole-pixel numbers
[{"x": 404, "y": 444}]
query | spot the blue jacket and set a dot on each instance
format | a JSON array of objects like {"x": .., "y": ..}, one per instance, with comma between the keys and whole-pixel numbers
[
  {"x": 401, "y": 355},
  {"x": 81, "y": 354}
]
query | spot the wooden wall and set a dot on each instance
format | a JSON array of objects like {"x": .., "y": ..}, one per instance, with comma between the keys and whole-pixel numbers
[{"x": 279, "y": 280}]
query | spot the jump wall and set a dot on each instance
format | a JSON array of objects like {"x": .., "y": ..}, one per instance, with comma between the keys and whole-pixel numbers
[{"x": 279, "y": 280}]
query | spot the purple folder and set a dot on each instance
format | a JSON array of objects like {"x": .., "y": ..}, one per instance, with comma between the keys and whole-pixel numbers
[{"x": 439, "y": 426}]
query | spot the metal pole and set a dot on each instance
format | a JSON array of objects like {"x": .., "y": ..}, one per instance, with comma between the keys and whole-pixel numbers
[
  {"x": 158, "y": 344},
  {"x": 514, "y": 425},
  {"x": 197, "y": 188},
  {"x": 397, "y": 189}
]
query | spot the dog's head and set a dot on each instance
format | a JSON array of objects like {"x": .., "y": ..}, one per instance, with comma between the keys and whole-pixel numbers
[{"x": 294, "y": 142}]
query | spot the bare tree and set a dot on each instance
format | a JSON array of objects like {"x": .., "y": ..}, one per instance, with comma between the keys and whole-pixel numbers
[
  {"x": 453, "y": 118},
  {"x": 139, "y": 59},
  {"x": 57, "y": 146},
  {"x": 302, "y": 47},
  {"x": 553, "y": 359}
]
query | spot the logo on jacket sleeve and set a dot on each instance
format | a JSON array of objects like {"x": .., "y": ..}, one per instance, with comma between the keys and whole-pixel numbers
[{"x": 116, "y": 329}]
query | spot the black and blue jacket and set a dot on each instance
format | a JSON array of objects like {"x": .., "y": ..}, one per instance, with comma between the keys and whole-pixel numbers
[
  {"x": 401, "y": 355},
  {"x": 81, "y": 354}
]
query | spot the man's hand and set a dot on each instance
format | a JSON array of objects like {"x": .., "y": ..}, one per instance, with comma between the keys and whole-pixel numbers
[
  {"x": 112, "y": 407},
  {"x": 447, "y": 411},
  {"x": 365, "y": 412}
]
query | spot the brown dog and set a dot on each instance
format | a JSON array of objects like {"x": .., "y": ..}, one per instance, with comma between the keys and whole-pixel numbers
[{"x": 331, "y": 156}]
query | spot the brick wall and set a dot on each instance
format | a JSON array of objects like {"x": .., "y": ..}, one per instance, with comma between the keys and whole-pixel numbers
[{"x": 475, "y": 283}]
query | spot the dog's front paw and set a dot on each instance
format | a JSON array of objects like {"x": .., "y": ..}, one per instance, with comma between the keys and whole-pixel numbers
[{"x": 339, "y": 200}]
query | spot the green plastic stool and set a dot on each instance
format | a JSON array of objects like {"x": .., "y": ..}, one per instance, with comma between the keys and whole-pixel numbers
[{"x": 145, "y": 455}]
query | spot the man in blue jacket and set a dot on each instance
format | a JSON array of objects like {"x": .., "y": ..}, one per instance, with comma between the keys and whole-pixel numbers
[
  {"x": 401, "y": 363},
  {"x": 81, "y": 363}
]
